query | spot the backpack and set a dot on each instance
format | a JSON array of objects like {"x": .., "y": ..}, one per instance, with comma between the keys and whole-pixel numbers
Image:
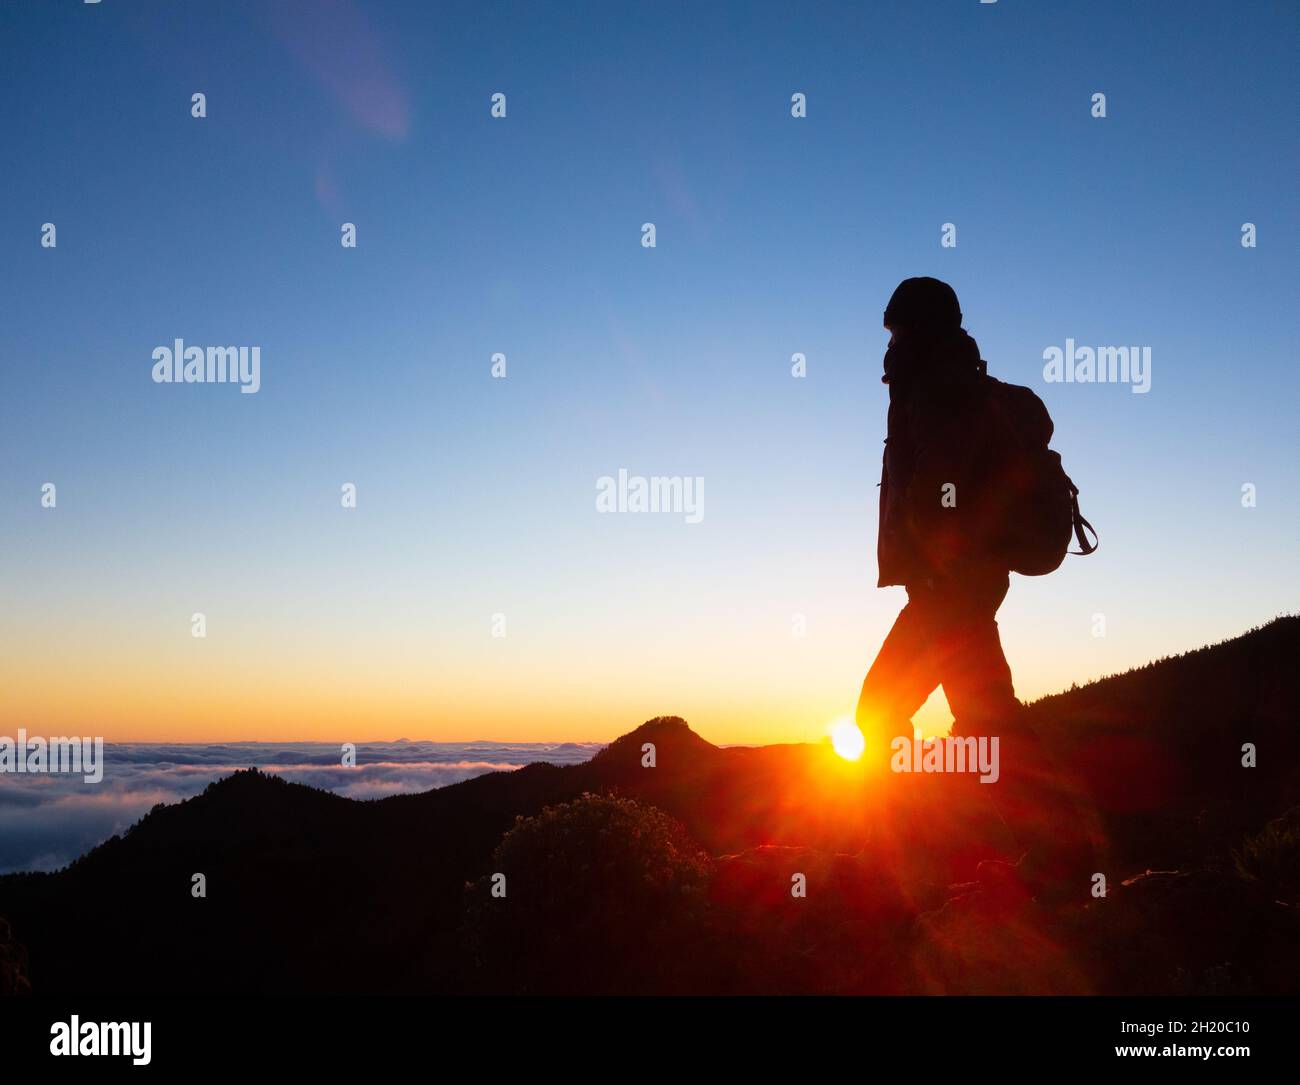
[{"x": 1033, "y": 496}]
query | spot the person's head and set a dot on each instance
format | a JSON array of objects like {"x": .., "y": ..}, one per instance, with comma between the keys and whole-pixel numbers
[
  {"x": 922, "y": 307},
  {"x": 924, "y": 316}
]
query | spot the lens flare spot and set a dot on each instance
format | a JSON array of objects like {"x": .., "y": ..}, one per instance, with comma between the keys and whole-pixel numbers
[{"x": 847, "y": 740}]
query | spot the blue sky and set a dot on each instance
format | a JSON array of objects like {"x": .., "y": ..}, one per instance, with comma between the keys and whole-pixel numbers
[{"x": 522, "y": 235}]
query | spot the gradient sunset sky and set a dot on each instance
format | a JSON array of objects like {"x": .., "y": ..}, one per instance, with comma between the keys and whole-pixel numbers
[{"x": 478, "y": 235}]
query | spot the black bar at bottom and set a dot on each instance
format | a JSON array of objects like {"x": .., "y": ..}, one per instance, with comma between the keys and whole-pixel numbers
[{"x": 679, "y": 1035}]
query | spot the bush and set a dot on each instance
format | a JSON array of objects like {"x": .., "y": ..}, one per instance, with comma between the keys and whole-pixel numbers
[
  {"x": 602, "y": 895},
  {"x": 1272, "y": 857}
]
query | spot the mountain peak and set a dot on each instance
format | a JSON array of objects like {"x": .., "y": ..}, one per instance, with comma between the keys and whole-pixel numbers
[{"x": 666, "y": 733}]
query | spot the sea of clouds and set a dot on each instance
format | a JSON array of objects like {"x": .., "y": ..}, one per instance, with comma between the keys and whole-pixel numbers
[{"x": 47, "y": 820}]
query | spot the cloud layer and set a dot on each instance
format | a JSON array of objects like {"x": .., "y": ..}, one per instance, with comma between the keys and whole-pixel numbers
[{"x": 48, "y": 820}]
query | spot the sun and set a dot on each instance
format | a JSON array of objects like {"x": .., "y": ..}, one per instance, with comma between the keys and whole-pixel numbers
[{"x": 846, "y": 739}]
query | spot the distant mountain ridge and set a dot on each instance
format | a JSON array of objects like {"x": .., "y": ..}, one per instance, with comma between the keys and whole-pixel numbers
[
  {"x": 46, "y": 825},
  {"x": 309, "y": 891}
]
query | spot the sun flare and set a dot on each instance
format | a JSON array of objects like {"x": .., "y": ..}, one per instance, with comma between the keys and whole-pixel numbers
[{"x": 846, "y": 739}]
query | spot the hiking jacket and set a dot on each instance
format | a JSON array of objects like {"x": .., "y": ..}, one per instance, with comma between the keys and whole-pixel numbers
[{"x": 937, "y": 434}]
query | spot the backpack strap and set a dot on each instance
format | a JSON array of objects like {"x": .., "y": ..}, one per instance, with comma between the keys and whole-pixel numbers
[{"x": 1080, "y": 524}]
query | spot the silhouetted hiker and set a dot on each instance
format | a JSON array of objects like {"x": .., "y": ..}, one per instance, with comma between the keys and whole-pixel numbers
[
  {"x": 969, "y": 492},
  {"x": 934, "y": 536}
]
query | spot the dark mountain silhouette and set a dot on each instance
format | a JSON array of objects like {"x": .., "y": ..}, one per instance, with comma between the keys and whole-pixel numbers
[{"x": 678, "y": 877}]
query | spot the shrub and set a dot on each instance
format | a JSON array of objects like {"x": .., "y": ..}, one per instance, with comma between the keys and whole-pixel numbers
[
  {"x": 603, "y": 895},
  {"x": 1272, "y": 857}
]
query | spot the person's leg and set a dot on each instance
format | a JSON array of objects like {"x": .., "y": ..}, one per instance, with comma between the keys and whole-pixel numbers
[
  {"x": 972, "y": 665},
  {"x": 903, "y": 675}
]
